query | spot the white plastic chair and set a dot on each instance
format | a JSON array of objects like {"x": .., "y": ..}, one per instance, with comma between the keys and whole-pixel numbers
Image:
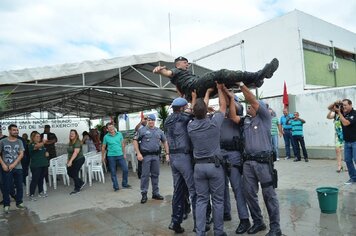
[
  {"x": 95, "y": 169},
  {"x": 85, "y": 167},
  {"x": 58, "y": 166},
  {"x": 131, "y": 156}
]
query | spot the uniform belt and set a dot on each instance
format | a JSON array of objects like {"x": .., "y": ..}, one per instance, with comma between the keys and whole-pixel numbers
[
  {"x": 204, "y": 160},
  {"x": 262, "y": 157},
  {"x": 179, "y": 150},
  {"x": 150, "y": 153}
]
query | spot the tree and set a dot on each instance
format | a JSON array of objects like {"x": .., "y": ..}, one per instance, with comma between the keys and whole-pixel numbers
[{"x": 162, "y": 114}]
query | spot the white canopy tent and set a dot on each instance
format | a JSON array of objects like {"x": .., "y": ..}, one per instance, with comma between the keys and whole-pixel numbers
[{"x": 90, "y": 88}]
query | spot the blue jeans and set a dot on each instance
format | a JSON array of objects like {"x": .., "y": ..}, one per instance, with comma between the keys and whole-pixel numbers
[
  {"x": 9, "y": 179},
  {"x": 113, "y": 162},
  {"x": 274, "y": 139},
  {"x": 350, "y": 158},
  {"x": 288, "y": 141}
]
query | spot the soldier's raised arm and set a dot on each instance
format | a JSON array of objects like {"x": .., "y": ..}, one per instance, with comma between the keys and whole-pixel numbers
[{"x": 162, "y": 70}]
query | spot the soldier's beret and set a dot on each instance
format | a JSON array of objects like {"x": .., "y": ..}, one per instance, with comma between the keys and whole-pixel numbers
[
  {"x": 179, "y": 102},
  {"x": 151, "y": 117}
]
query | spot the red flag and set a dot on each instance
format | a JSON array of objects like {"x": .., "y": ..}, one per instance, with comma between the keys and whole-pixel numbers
[
  {"x": 285, "y": 95},
  {"x": 142, "y": 116}
]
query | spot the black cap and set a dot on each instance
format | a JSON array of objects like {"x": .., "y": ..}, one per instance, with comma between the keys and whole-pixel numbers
[
  {"x": 180, "y": 59},
  {"x": 47, "y": 126}
]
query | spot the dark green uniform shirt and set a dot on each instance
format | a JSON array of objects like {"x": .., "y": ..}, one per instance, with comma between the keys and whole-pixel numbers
[
  {"x": 38, "y": 157},
  {"x": 73, "y": 146}
]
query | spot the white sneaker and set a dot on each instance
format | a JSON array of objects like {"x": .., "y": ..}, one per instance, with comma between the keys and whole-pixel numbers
[
  {"x": 43, "y": 195},
  {"x": 7, "y": 209},
  {"x": 32, "y": 198},
  {"x": 350, "y": 181},
  {"x": 21, "y": 206}
]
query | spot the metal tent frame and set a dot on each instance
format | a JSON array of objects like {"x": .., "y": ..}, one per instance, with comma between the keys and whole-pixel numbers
[{"x": 90, "y": 89}]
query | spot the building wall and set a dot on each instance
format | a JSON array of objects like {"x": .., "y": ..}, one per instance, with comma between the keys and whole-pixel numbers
[
  {"x": 303, "y": 71},
  {"x": 318, "y": 73},
  {"x": 281, "y": 38}
]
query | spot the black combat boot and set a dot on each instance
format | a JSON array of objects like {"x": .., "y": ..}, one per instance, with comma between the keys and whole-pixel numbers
[
  {"x": 243, "y": 226},
  {"x": 277, "y": 232},
  {"x": 144, "y": 198},
  {"x": 269, "y": 69},
  {"x": 256, "y": 228},
  {"x": 256, "y": 80},
  {"x": 157, "y": 196}
]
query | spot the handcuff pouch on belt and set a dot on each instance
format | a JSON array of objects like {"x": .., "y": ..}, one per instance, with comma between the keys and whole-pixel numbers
[{"x": 227, "y": 165}]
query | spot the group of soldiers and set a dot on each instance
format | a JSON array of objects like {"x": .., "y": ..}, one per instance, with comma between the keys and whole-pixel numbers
[{"x": 206, "y": 152}]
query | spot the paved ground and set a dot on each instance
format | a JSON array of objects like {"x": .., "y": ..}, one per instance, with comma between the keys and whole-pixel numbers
[{"x": 98, "y": 210}]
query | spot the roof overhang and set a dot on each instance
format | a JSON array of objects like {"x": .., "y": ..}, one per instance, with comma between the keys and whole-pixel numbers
[{"x": 91, "y": 88}]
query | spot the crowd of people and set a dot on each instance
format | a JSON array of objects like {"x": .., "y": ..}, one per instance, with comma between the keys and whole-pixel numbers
[
  {"x": 19, "y": 155},
  {"x": 206, "y": 150}
]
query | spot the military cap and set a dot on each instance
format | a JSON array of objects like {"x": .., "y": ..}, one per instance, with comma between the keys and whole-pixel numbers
[
  {"x": 179, "y": 102},
  {"x": 180, "y": 59},
  {"x": 151, "y": 117}
]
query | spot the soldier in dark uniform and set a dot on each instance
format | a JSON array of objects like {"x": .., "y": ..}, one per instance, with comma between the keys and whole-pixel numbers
[
  {"x": 180, "y": 161},
  {"x": 186, "y": 82},
  {"x": 257, "y": 167},
  {"x": 148, "y": 151},
  {"x": 231, "y": 148},
  {"x": 209, "y": 177}
]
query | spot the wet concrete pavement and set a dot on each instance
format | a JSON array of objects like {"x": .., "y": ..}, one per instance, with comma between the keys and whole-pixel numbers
[{"x": 98, "y": 210}]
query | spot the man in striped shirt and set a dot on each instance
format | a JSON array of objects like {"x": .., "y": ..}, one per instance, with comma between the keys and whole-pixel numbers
[{"x": 298, "y": 138}]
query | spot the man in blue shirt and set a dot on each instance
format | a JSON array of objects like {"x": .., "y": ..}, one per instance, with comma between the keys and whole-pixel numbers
[
  {"x": 286, "y": 128},
  {"x": 298, "y": 137},
  {"x": 115, "y": 144}
]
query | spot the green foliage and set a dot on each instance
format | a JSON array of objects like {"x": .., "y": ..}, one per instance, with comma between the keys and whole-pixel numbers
[
  {"x": 162, "y": 114},
  {"x": 99, "y": 126}
]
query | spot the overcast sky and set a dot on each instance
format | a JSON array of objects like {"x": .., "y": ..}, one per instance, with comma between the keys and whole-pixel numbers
[{"x": 39, "y": 33}]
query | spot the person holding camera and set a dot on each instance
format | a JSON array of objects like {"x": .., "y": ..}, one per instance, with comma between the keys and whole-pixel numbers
[
  {"x": 339, "y": 136},
  {"x": 298, "y": 137},
  {"x": 348, "y": 121}
]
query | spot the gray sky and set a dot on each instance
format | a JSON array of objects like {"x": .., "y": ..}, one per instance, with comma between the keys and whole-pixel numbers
[{"x": 39, "y": 33}]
